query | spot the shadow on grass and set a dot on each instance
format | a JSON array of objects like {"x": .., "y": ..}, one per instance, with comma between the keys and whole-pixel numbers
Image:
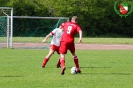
[
  {"x": 10, "y": 76},
  {"x": 91, "y": 67},
  {"x": 113, "y": 73},
  {"x": 107, "y": 73},
  {"x": 94, "y": 67}
]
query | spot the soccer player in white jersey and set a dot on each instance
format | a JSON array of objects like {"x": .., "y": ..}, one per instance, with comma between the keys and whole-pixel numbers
[{"x": 55, "y": 43}]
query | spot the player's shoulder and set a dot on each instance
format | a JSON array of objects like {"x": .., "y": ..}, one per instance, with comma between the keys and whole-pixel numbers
[
  {"x": 57, "y": 29},
  {"x": 74, "y": 24},
  {"x": 67, "y": 22}
]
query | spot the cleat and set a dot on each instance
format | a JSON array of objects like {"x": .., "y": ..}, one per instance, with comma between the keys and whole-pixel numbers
[
  {"x": 58, "y": 66},
  {"x": 78, "y": 70},
  {"x": 42, "y": 66},
  {"x": 63, "y": 70}
]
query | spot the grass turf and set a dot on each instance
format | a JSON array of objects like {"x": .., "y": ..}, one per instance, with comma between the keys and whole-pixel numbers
[
  {"x": 100, "y": 69},
  {"x": 85, "y": 40}
]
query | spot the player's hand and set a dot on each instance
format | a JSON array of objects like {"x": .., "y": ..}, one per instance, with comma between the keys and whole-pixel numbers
[{"x": 80, "y": 41}]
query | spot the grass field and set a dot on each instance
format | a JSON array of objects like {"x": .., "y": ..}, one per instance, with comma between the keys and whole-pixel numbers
[
  {"x": 85, "y": 40},
  {"x": 100, "y": 69}
]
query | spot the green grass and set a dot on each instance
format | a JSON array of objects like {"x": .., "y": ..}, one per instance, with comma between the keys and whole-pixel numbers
[
  {"x": 108, "y": 40},
  {"x": 100, "y": 69},
  {"x": 85, "y": 40}
]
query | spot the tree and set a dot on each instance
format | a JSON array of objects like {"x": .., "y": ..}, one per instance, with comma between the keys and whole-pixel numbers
[{"x": 96, "y": 17}]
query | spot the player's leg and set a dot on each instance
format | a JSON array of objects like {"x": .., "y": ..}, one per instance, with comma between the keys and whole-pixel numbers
[
  {"x": 47, "y": 57},
  {"x": 62, "y": 61},
  {"x": 75, "y": 58},
  {"x": 63, "y": 51},
  {"x": 58, "y": 64}
]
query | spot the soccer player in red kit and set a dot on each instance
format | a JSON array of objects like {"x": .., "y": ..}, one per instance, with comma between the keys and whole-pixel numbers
[{"x": 67, "y": 42}]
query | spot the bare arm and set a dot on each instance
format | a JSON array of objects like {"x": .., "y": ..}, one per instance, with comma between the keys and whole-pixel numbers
[
  {"x": 44, "y": 40},
  {"x": 80, "y": 37}
]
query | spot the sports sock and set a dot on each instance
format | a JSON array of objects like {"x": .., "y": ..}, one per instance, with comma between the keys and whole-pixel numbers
[
  {"x": 76, "y": 61},
  {"x": 45, "y": 61},
  {"x": 62, "y": 61}
]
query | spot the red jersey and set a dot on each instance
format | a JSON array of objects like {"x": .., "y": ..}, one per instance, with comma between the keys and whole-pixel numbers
[{"x": 70, "y": 29}]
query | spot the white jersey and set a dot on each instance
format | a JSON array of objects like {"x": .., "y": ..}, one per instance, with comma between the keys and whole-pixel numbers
[{"x": 56, "y": 33}]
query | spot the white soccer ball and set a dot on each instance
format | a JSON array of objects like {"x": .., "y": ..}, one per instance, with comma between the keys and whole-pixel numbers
[{"x": 73, "y": 70}]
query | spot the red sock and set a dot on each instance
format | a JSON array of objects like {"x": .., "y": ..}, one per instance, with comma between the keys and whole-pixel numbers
[
  {"x": 62, "y": 61},
  {"x": 76, "y": 61},
  {"x": 45, "y": 61}
]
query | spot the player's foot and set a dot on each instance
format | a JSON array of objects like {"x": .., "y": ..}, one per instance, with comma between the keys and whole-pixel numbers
[
  {"x": 78, "y": 70},
  {"x": 63, "y": 70},
  {"x": 58, "y": 66},
  {"x": 42, "y": 66}
]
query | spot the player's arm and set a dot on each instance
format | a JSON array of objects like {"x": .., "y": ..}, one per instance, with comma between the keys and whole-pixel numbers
[
  {"x": 50, "y": 34},
  {"x": 45, "y": 39},
  {"x": 80, "y": 37}
]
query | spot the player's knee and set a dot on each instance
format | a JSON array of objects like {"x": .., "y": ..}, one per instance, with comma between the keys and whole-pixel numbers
[{"x": 75, "y": 57}]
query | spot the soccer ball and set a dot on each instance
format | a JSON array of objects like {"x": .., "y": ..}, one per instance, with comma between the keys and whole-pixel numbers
[{"x": 73, "y": 70}]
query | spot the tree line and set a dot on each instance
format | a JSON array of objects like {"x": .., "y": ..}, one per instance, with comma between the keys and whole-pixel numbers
[{"x": 96, "y": 17}]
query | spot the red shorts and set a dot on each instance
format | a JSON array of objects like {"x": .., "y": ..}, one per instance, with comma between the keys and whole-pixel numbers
[
  {"x": 55, "y": 48},
  {"x": 64, "y": 46}
]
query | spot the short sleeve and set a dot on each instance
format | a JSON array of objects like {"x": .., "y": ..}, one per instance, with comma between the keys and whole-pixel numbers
[{"x": 54, "y": 31}]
